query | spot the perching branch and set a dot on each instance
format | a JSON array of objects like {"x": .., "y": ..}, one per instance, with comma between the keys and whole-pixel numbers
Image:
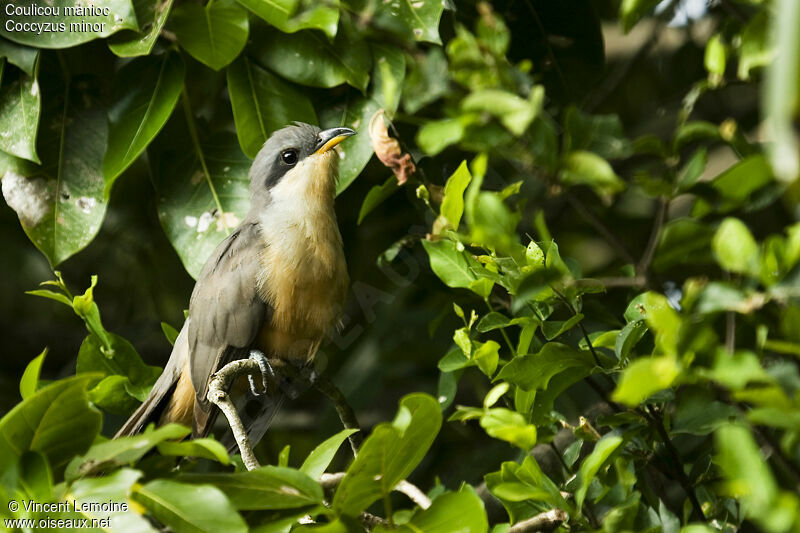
[
  {"x": 546, "y": 521},
  {"x": 218, "y": 395},
  {"x": 345, "y": 412}
]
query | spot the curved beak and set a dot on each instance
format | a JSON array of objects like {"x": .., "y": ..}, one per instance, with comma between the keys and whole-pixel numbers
[{"x": 329, "y": 138}]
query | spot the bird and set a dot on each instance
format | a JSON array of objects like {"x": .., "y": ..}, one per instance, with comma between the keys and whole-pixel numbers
[{"x": 272, "y": 289}]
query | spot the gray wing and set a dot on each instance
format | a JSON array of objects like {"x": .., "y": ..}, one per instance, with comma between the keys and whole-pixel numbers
[{"x": 226, "y": 310}]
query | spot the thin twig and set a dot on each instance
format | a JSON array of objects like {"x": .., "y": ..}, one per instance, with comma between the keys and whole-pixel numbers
[
  {"x": 346, "y": 413},
  {"x": 657, "y": 423},
  {"x": 587, "y": 215},
  {"x": 218, "y": 395},
  {"x": 655, "y": 236},
  {"x": 546, "y": 521}
]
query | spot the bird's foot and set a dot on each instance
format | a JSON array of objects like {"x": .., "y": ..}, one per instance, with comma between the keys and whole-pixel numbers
[{"x": 267, "y": 373}]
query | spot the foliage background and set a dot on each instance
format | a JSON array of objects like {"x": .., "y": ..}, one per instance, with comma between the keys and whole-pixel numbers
[{"x": 635, "y": 134}]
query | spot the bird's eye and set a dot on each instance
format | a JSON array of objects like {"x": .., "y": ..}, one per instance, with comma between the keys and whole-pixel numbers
[{"x": 289, "y": 157}]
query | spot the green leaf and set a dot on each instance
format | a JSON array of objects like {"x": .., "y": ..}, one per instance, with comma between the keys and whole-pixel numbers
[
  {"x": 111, "y": 395},
  {"x": 492, "y": 321},
  {"x": 422, "y": 18},
  {"x": 644, "y": 377},
  {"x": 90, "y": 495},
  {"x": 195, "y": 208},
  {"x": 628, "y": 337},
  {"x": 746, "y": 469},
  {"x": 592, "y": 464},
  {"x": 124, "y": 361},
  {"x": 20, "y": 107},
  {"x": 189, "y": 508},
  {"x": 533, "y": 372},
  {"x": 693, "y": 169},
  {"x": 205, "y": 448},
  {"x": 214, "y": 34},
  {"x": 755, "y": 50},
  {"x": 268, "y": 487},
  {"x": 437, "y": 135},
  {"x": 515, "y": 113},
  {"x": 78, "y": 28},
  {"x": 553, "y": 328},
  {"x": 388, "y": 72},
  {"x": 35, "y": 476},
  {"x": 600, "y": 134},
  {"x": 716, "y": 57},
  {"x": 290, "y": 16},
  {"x": 376, "y": 196},
  {"x": 585, "y": 168},
  {"x": 145, "y": 93},
  {"x": 30, "y": 378},
  {"x": 263, "y": 103},
  {"x": 449, "y": 263},
  {"x": 742, "y": 179},
  {"x": 736, "y": 370},
  {"x": 486, "y": 356},
  {"x": 662, "y": 319},
  {"x": 510, "y": 426},
  {"x": 453, "y": 199},
  {"x": 389, "y": 454},
  {"x": 425, "y": 83},
  {"x": 780, "y": 103},
  {"x": 460, "y": 511},
  {"x": 57, "y": 421},
  {"x": 20, "y": 56},
  {"x": 631, "y": 11},
  {"x": 169, "y": 332},
  {"x": 151, "y": 14},
  {"x": 61, "y": 204},
  {"x": 123, "y": 450},
  {"x": 735, "y": 248},
  {"x": 308, "y": 58},
  {"x": 320, "y": 457}
]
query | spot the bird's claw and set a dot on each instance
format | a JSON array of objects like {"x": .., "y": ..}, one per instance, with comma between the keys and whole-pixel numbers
[{"x": 267, "y": 373}]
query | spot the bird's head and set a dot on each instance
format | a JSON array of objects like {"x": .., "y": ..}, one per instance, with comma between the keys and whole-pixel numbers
[{"x": 296, "y": 163}]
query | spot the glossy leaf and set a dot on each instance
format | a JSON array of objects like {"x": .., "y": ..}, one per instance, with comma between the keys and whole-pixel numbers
[
  {"x": 151, "y": 14},
  {"x": 20, "y": 106},
  {"x": 735, "y": 248},
  {"x": 268, "y": 487},
  {"x": 452, "y": 207},
  {"x": 449, "y": 263},
  {"x": 205, "y": 448},
  {"x": 30, "y": 378},
  {"x": 591, "y": 465},
  {"x": 123, "y": 450},
  {"x": 644, "y": 377},
  {"x": 263, "y": 103},
  {"x": 309, "y": 58},
  {"x": 290, "y": 16},
  {"x": 145, "y": 93},
  {"x": 189, "y": 508},
  {"x": 61, "y": 204},
  {"x": 532, "y": 372},
  {"x": 377, "y": 195},
  {"x": 586, "y": 168},
  {"x": 202, "y": 190},
  {"x": 78, "y": 28},
  {"x": 388, "y": 73},
  {"x": 40, "y": 423},
  {"x": 389, "y": 454},
  {"x": 20, "y": 56},
  {"x": 320, "y": 457},
  {"x": 460, "y": 511},
  {"x": 214, "y": 34}
]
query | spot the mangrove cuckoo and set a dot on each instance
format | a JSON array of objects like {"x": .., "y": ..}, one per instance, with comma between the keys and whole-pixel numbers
[{"x": 272, "y": 289}]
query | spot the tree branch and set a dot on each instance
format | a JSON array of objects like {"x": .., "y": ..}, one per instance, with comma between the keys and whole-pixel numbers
[
  {"x": 218, "y": 395},
  {"x": 345, "y": 412},
  {"x": 546, "y": 521}
]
